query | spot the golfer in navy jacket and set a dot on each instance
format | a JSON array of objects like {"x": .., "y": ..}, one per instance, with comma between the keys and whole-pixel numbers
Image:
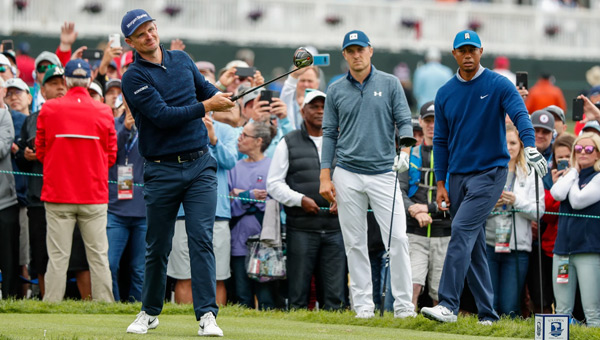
[
  {"x": 168, "y": 97},
  {"x": 469, "y": 143}
]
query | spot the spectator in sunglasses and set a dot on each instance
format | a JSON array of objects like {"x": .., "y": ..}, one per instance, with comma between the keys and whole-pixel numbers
[
  {"x": 6, "y": 70},
  {"x": 42, "y": 63},
  {"x": 577, "y": 249}
]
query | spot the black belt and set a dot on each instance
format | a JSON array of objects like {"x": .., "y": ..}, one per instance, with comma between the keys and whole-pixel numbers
[{"x": 181, "y": 158}]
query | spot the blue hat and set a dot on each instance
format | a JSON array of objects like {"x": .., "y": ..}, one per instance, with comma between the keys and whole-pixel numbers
[
  {"x": 356, "y": 38},
  {"x": 132, "y": 20},
  {"x": 78, "y": 68},
  {"x": 467, "y": 37},
  {"x": 594, "y": 91}
]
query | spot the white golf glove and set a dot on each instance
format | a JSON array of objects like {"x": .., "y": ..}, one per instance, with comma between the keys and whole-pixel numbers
[
  {"x": 536, "y": 161},
  {"x": 401, "y": 163}
]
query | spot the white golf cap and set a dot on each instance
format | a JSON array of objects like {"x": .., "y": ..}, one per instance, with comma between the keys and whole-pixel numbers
[
  {"x": 4, "y": 60},
  {"x": 16, "y": 83},
  {"x": 312, "y": 95},
  {"x": 96, "y": 88}
]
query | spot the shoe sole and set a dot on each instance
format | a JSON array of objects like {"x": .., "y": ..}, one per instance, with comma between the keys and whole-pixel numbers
[
  {"x": 212, "y": 335},
  {"x": 134, "y": 332},
  {"x": 435, "y": 317}
]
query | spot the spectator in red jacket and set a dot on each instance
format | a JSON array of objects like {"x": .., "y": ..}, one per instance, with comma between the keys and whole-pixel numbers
[
  {"x": 544, "y": 93},
  {"x": 76, "y": 142}
]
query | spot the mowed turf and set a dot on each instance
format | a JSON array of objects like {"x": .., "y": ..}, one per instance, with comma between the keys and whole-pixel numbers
[
  {"x": 102, "y": 326},
  {"x": 28, "y": 319}
]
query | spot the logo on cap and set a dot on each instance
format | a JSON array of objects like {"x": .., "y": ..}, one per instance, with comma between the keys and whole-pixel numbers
[
  {"x": 467, "y": 36},
  {"x": 544, "y": 119},
  {"x": 353, "y": 36}
]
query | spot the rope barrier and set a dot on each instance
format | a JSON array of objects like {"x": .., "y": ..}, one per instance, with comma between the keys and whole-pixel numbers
[{"x": 19, "y": 173}]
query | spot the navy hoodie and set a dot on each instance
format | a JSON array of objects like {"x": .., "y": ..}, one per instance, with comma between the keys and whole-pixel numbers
[{"x": 165, "y": 101}]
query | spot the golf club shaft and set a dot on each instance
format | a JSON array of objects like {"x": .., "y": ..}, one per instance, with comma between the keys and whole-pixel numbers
[
  {"x": 234, "y": 98},
  {"x": 539, "y": 237}
]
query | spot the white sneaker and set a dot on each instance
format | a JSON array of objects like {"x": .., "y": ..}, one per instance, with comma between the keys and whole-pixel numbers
[
  {"x": 438, "y": 313},
  {"x": 143, "y": 322},
  {"x": 405, "y": 313},
  {"x": 365, "y": 314},
  {"x": 208, "y": 326},
  {"x": 485, "y": 322}
]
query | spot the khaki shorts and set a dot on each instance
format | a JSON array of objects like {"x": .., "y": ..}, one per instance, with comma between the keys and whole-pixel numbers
[
  {"x": 427, "y": 256},
  {"x": 179, "y": 259}
]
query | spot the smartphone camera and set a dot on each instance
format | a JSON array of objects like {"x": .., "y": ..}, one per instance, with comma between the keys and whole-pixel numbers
[{"x": 562, "y": 164}]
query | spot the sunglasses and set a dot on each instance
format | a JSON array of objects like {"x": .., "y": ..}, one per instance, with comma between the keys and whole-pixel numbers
[
  {"x": 245, "y": 135},
  {"x": 3, "y": 69},
  {"x": 44, "y": 68},
  {"x": 589, "y": 149}
]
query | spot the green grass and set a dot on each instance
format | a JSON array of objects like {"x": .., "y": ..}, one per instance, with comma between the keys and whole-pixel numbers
[{"x": 28, "y": 319}]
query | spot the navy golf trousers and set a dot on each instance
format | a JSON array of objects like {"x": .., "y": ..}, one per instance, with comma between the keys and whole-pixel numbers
[
  {"x": 166, "y": 185},
  {"x": 472, "y": 198}
]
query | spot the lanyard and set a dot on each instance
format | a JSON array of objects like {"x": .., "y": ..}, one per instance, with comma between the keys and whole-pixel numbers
[{"x": 129, "y": 145}]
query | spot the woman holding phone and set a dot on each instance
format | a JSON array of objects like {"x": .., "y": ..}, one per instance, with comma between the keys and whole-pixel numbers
[{"x": 576, "y": 259}]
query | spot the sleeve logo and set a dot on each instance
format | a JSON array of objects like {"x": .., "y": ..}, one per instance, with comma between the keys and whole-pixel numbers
[{"x": 140, "y": 89}]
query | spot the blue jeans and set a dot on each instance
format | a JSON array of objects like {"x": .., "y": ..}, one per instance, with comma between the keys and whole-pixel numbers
[
  {"x": 584, "y": 270},
  {"x": 507, "y": 287},
  {"x": 166, "y": 186},
  {"x": 472, "y": 198},
  {"x": 245, "y": 287},
  {"x": 120, "y": 230}
]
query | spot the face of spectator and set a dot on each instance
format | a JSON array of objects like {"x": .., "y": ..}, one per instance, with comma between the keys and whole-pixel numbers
[
  {"x": 18, "y": 99},
  {"x": 595, "y": 98},
  {"x": 95, "y": 96},
  {"x": 112, "y": 73},
  {"x": 247, "y": 141},
  {"x": 559, "y": 126},
  {"x": 427, "y": 125},
  {"x": 418, "y": 134},
  {"x": 307, "y": 80},
  {"x": 313, "y": 113},
  {"x": 513, "y": 143},
  {"x": 467, "y": 57},
  {"x": 41, "y": 70},
  {"x": 110, "y": 97},
  {"x": 583, "y": 159},
  {"x": 358, "y": 57},
  {"x": 543, "y": 138},
  {"x": 562, "y": 153},
  {"x": 54, "y": 88},
  {"x": 6, "y": 72},
  {"x": 145, "y": 38}
]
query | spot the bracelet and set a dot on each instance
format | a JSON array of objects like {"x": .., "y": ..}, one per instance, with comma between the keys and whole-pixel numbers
[{"x": 221, "y": 86}]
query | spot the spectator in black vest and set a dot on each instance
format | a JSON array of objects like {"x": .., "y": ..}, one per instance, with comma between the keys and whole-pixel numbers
[{"x": 314, "y": 239}]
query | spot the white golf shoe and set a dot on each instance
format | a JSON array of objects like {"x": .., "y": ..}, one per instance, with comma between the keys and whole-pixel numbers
[
  {"x": 365, "y": 314},
  {"x": 208, "y": 326},
  {"x": 438, "y": 313},
  {"x": 143, "y": 322},
  {"x": 405, "y": 313}
]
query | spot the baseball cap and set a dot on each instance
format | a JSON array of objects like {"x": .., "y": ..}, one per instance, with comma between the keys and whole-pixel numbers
[
  {"x": 94, "y": 86},
  {"x": 312, "y": 95},
  {"x": 52, "y": 72},
  {"x": 250, "y": 96},
  {"x": 467, "y": 37},
  {"x": 592, "y": 124},
  {"x": 4, "y": 60},
  {"x": 415, "y": 125},
  {"x": 356, "y": 38},
  {"x": 112, "y": 83},
  {"x": 205, "y": 65},
  {"x": 132, "y": 20},
  {"x": 127, "y": 58},
  {"x": 542, "y": 119},
  {"x": 557, "y": 112},
  {"x": 16, "y": 83},
  {"x": 427, "y": 110},
  {"x": 48, "y": 56},
  {"x": 594, "y": 91},
  {"x": 78, "y": 68},
  {"x": 11, "y": 55}
]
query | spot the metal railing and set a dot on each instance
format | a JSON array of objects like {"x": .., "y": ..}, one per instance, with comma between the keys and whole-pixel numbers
[{"x": 521, "y": 31}]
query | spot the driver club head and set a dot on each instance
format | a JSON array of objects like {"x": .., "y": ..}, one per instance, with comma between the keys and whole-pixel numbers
[{"x": 302, "y": 58}]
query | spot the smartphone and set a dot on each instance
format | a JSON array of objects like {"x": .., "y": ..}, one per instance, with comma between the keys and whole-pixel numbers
[
  {"x": 321, "y": 59},
  {"x": 90, "y": 54},
  {"x": 244, "y": 72},
  {"x": 116, "y": 40},
  {"x": 268, "y": 95},
  {"x": 7, "y": 45},
  {"x": 522, "y": 79},
  {"x": 577, "y": 109},
  {"x": 562, "y": 164}
]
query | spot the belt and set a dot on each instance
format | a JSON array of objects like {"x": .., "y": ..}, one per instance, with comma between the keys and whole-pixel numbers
[{"x": 181, "y": 158}]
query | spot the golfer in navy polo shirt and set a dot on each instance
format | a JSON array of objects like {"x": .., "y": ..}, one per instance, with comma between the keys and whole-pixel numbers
[
  {"x": 168, "y": 97},
  {"x": 469, "y": 143}
]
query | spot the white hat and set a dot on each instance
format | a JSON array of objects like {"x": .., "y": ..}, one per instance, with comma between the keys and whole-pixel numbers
[
  {"x": 4, "y": 60},
  {"x": 48, "y": 56},
  {"x": 96, "y": 88},
  {"x": 312, "y": 95},
  {"x": 16, "y": 83}
]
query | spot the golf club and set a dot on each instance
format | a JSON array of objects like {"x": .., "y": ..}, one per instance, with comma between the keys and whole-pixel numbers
[
  {"x": 539, "y": 237},
  {"x": 302, "y": 58},
  {"x": 402, "y": 142}
]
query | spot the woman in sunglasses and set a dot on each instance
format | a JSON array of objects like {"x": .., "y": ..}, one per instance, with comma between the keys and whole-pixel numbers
[{"x": 577, "y": 249}]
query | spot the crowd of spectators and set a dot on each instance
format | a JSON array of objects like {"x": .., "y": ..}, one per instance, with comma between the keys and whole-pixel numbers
[{"x": 70, "y": 124}]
